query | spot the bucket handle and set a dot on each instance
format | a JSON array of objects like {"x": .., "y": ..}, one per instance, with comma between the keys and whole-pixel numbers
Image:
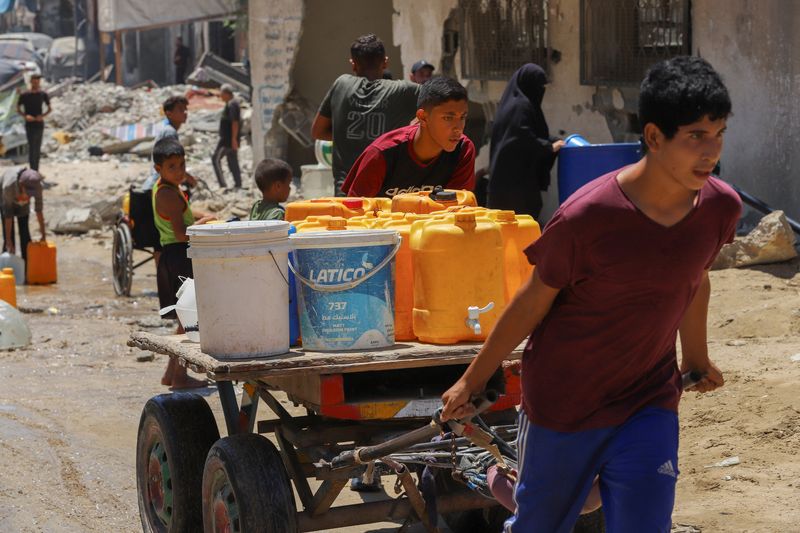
[{"x": 348, "y": 284}]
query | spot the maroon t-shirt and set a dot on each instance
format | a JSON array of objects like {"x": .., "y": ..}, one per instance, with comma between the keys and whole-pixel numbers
[
  {"x": 389, "y": 166},
  {"x": 606, "y": 349}
]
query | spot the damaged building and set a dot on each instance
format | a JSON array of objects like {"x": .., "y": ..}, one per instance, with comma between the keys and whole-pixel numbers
[{"x": 595, "y": 52}]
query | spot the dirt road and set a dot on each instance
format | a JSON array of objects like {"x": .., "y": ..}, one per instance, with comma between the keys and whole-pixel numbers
[{"x": 70, "y": 403}]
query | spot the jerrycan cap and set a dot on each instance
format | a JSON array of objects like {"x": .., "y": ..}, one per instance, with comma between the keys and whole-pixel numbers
[
  {"x": 464, "y": 218},
  {"x": 353, "y": 203},
  {"x": 506, "y": 216},
  {"x": 336, "y": 223},
  {"x": 440, "y": 195},
  {"x": 8, "y": 271}
]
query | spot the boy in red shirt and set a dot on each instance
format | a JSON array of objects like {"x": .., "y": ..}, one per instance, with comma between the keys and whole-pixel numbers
[
  {"x": 621, "y": 271},
  {"x": 432, "y": 152}
]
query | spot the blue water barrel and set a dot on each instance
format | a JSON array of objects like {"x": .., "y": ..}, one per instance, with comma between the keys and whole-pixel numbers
[{"x": 578, "y": 165}]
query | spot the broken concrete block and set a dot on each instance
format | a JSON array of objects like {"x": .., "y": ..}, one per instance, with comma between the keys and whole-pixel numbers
[
  {"x": 771, "y": 241},
  {"x": 79, "y": 220},
  {"x": 108, "y": 209}
]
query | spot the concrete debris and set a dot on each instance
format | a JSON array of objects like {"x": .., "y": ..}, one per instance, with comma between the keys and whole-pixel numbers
[
  {"x": 772, "y": 241},
  {"x": 685, "y": 528},
  {"x": 89, "y": 114},
  {"x": 78, "y": 220},
  {"x": 108, "y": 209}
]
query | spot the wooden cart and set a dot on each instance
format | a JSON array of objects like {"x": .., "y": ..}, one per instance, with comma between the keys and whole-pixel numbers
[{"x": 188, "y": 477}]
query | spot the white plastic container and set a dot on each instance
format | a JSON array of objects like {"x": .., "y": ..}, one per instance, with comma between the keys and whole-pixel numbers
[
  {"x": 316, "y": 181},
  {"x": 186, "y": 309},
  {"x": 15, "y": 332},
  {"x": 240, "y": 277},
  {"x": 8, "y": 260}
]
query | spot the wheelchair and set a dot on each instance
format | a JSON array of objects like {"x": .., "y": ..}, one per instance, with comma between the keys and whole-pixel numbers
[{"x": 134, "y": 230}]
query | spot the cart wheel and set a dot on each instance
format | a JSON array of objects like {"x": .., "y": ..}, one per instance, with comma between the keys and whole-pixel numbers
[
  {"x": 246, "y": 488},
  {"x": 175, "y": 433},
  {"x": 122, "y": 259}
]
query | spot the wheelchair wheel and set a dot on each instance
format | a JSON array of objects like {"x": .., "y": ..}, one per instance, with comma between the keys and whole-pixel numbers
[{"x": 122, "y": 259}]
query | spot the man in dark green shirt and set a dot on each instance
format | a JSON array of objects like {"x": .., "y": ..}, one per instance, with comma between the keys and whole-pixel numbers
[{"x": 360, "y": 108}]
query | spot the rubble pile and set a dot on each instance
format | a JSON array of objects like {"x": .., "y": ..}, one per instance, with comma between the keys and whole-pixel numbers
[{"x": 85, "y": 114}]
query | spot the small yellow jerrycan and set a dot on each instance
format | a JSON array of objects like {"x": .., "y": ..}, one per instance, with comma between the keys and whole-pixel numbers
[
  {"x": 8, "y": 287},
  {"x": 459, "y": 285},
  {"x": 41, "y": 265}
]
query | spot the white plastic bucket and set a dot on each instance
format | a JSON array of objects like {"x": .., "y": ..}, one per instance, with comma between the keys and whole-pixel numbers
[
  {"x": 345, "y": 288},
  {"x": 240, "y": 276}
]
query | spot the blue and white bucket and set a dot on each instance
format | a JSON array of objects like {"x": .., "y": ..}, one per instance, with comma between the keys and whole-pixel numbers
[
  {"x": 346, "y": 288},
  {"x": 294, "y": 321}
]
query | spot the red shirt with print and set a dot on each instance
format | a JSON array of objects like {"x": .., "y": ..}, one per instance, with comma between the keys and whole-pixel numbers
[{"x": 389, "y": 166}]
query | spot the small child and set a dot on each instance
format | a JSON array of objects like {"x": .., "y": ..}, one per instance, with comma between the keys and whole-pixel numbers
[
  {"x": 273, "y": 178},
  {"x": 172, "y": 214}
]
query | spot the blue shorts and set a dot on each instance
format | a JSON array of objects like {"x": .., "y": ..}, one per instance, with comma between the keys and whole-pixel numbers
[{"x": 637, "y": 463}]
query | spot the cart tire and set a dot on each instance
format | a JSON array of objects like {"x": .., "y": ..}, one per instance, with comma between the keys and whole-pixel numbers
[
  {"x": 122, "y": 259},
  {"x": 175, "y": 433},
  {"x": 246, "y": 488}
]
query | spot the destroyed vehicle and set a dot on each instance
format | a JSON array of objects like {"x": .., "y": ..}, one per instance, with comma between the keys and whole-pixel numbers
[
  {"x": 22, "y": 54},
  {"x": 63, "y": 61},
  {"x": 39, "y": 41}
]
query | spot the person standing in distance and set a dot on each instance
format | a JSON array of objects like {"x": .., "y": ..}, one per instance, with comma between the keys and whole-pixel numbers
[
  {"x": 230, "y": 126},
  {"x": 31, "y": 106},
  {"x": 421, "y": 71},
  {"x": 362, "y": 106}
]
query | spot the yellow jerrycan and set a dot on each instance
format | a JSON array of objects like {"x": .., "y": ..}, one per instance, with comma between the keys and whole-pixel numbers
[
  {"x": 519, "y": 232},
  {"x": 346, "y": 208},
  {"x": 41, "y": 264},
  {"x": 323, "y": 223},
  {"x": 367, "y": 204},
  {"x": 8, "y": 287},
  {"x": 404, "y": 277},
  {"x": 425, "y": 202},
  {"x": 459, "y": 285}
]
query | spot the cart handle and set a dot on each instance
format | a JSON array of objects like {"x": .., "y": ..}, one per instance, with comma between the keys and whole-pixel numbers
[{"x": 481, "y": 402}]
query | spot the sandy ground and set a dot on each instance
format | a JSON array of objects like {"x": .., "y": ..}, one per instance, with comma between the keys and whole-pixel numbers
[{"x": 70, "y": 403}]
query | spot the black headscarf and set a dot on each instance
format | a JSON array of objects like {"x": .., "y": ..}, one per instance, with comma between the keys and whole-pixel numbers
[{"x": 521, "y": 153}]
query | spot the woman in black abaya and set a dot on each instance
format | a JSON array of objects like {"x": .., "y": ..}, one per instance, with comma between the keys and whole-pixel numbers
[{"x": 522, "y": 151}]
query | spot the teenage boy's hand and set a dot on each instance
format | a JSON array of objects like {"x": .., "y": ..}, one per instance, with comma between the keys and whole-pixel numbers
[
  {"x": 712, "y": 378},
  {"x": 456, "y": 402},
  {"x": 558, "y": 145}
]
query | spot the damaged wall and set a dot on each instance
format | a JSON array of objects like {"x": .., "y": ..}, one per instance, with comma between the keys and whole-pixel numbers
[
  {"x": 274, "y": 31},
  {"x": 568, "y": 106},
  {"x": 754, "y": 46},
  {"x": 323, "y": 54}
]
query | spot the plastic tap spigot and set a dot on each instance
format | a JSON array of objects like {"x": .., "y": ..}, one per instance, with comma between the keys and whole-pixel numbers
[{"x": 473, "y": 316}]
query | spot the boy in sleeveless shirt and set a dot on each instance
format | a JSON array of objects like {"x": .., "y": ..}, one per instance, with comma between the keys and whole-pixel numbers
[
  {"x": 172, "y": 214},
  {"x": 621, "y": 272}
]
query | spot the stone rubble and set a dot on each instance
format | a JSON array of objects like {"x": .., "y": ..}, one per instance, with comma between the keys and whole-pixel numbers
[{"x": 81, "y": 113}]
